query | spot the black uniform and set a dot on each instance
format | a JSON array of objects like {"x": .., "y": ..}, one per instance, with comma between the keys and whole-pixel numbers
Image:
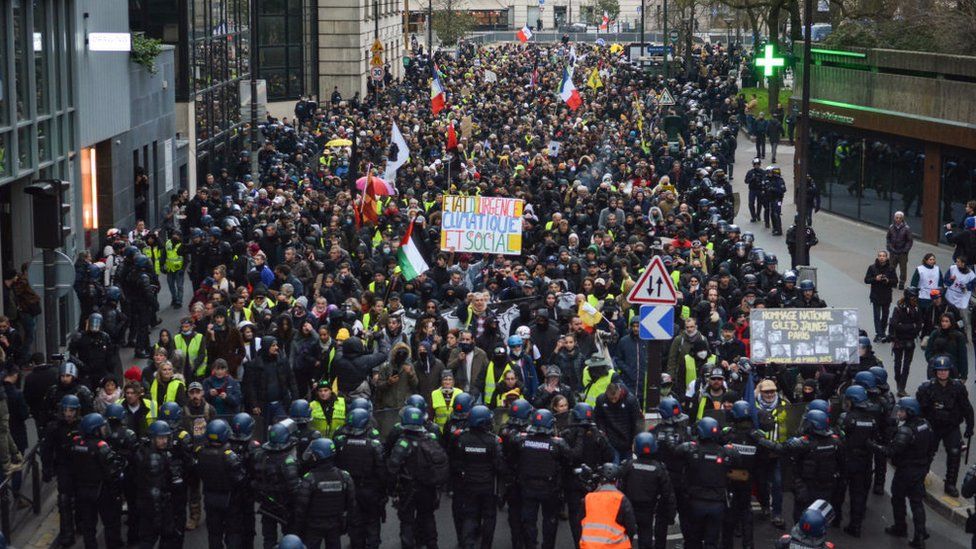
[
  {"x": 144, "y": 307},
  {"x": 755, "y": 179},
  {"x": 416, "y": 496},
  {"x": 52, "y": 400},
  {"x": 97, "y": 473},
  {"x": 647, "y": 484},
  {"x": 858, "y": 427},
  {"x": 157, "y": 478},
  {"x": 324, "y": 503},
  {"x": 221, "y": 471},
  {"x": 707, "y": 465},
  {"x": 97, "y": 354},
  {"x": 125, "y": 443},
  {"x": 247, "y": 451},
  {"x": 817, "y": 465},
  {"x": 543, "y": 461},
  {"x": 590, "y": 447},
  {"x": 510, "y": 433},
  {"x": 946, "y": 406},
  {"x": 885, "y": 401},
  {"x": 181, "y": 452},
  {"x": 453, "y": 429},
  {"x": 911, "y": 450},
  {"x": 56, "y": 460},
  {"x": 276, "y": 478},
  {"x": 773, "y": 193},
  {"x": 303, "y": 437},
  {"x": 969, "y": 490},
  {"x": 671, "y": 434},
  {"x": 477, "y": 459},
  {"x": 753, "y": 458},
  {"x": 362, "y": 457}
]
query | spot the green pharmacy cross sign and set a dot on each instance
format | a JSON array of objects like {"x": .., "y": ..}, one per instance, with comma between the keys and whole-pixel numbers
[{"x": 769, "y": 61}]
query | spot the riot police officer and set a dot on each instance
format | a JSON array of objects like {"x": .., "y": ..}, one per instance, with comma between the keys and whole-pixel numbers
[
  {"x": 247, "y": 449},
  {"x": 476, "y": 455},
  {"x": 97, "y": 473},
  {"x": 455, "y": 425},
  {"x": 671, "y": 432},
  {"x": 518, "y": 420},
  {"x": 56, "y": 459},
  {"x": 794, "y": 240},
  {"x": 157, "y": 478},
  {"x": 808, "y": 532},
  {"x": 95, "y": 350},
  {"x": 542, "y": 460},
  {"x": 276, "y": 477},
  {"x": 418, "y": 402},
  {"x": 125, "y": 443},
  {"x": 221, "y": 471},
  {"x": 325, "y": 499},
  {"x": 68, "y": 384},
  {"x": 114, "y": 321},
  {"x": 910, "y": 450},
  {"x": 181, "y": 450},
  {"x": 590, "y": 447},
  {"x": 945, "y": 405},
  {"x": 774, "y": 192},
  {"x": 808, "y": 297},
  {"x": 361, "y": 456},
  {"x": 817, "y": 461},
  {"x": 885, "y": 400},
  {"x": 859, "y": 426},
  {"x": 418, "y": 466},
  {"x": 755, "y": 179},
  {"x": 707, "y": 464},
  {"x": 646, "y": 483},
  {"x": 741, "y": 434},
  {"x": 301, "y": 413}
]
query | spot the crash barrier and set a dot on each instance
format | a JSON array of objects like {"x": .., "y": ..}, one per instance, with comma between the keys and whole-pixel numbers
[{"x": 10, "y": 493}]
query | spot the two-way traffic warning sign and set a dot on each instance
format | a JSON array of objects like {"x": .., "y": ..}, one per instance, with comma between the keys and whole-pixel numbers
[
  {"x": 654, "y": 287},
  {"x": 665, "y": 99}
]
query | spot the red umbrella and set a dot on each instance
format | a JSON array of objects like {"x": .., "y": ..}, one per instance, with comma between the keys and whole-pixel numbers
[{"x": 378, "y": 186}]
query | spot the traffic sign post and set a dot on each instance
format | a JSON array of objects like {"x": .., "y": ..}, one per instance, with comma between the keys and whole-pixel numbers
[
  {"x": 376, "y": 73},
  {"x": 656, "y": 294}
]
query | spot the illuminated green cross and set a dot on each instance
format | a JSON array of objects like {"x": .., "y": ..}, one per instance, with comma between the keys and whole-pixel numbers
[{"x": 769, "y": 61}]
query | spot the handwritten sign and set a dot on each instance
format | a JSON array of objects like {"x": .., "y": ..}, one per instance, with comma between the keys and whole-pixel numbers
[
  {"x": 482, "y": 224},
  {"x": 804, "y": 336}
]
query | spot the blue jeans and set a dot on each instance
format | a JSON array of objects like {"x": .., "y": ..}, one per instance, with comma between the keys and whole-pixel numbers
[
  {"x": 771, "y": 485},
  {"x": 175, "y": 282},
  {"x": 28, "y": 323}
]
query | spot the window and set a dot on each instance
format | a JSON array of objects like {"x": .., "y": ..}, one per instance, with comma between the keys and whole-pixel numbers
[
  {"x": 958, "y": 185},
  {"x": 20, "y": 59},
  {"x": 4, "y": 89},
  {"x": 24, "y": 152},
  {"x": 280, "y": 48},
  {"x": 41, "y": 47}
]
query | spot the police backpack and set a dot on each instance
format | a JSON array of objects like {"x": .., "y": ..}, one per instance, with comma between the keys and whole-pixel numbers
[{"x": 433, "y": 466}]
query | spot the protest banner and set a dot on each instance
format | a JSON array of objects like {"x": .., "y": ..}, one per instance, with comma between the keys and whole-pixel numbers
[
  {"x": 482, "y": 224},
  {"x": 803, "y": 336}
]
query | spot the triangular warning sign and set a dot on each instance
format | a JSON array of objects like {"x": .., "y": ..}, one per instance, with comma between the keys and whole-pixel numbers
[
  {"x": 666, "y": 99},
  {"x": 654, "y": 287}
]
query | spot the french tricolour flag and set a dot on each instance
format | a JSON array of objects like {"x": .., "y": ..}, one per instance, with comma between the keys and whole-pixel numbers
[
  {"x": 524, "y": 34},
  {"x": 568, "y": 92},
  {"x": 437, "y": 95}
]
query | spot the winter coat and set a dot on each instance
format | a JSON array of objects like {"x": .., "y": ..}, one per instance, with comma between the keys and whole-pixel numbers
[
  {"x": 353, "y": 366},
  {"x": 899, "y": 238},
  {"x": 391, "y": 394},
  {"x": 881, "y": 291}
]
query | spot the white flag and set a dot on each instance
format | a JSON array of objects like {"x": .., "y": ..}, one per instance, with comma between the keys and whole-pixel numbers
[
  {"x": 403, "y": 154},
  {"x": 490, "y": 76},
  {"x": 554, "y": 147}
]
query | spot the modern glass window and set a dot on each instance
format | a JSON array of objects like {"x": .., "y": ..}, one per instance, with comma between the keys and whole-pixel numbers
[
  {"x": 958, "y": 185},
  {"x": 21, "y": 58},
  {"x": 25, "y": 157},
  {"x": 280, "y": 50},
  {"x": 42, "y": 52},
  {"x": 4, "y": 89},
  {"x": 4, "y": 155}
]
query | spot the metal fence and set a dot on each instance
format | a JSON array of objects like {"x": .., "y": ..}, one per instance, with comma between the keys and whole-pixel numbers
[
  {"x": 489, "y": 37},
  {"x": 8, "y": 494}
]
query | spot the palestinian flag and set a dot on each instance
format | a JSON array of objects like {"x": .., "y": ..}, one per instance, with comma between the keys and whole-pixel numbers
[{"x": 409, "y": 258}]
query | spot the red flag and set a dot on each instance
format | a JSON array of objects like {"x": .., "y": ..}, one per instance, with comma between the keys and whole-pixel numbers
[
  {"x": 367, "y": 207},
  {"x": 452, "y": 141}
]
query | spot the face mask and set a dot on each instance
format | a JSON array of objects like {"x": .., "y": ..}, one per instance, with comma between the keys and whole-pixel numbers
[
  {"x": 187, "y": 332},
  {"x": 467, "y": 347},
  {"x": 499, "y": 359},
  {"x": 702, "y": 354}
]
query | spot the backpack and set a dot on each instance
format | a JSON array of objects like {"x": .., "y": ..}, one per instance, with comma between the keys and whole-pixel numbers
[{"x": 433, "y": 466}]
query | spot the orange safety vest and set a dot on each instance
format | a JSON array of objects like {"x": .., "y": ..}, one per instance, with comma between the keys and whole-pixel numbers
[{"x": 600, "y": 527}]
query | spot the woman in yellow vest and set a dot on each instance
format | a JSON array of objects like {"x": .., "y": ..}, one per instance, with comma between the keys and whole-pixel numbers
[
  {"x": 442, "y": 398},
  {"x": 328, "y": 410},
  {"x": 597, "y": 375},
  {"x": 167, "y": 387}
]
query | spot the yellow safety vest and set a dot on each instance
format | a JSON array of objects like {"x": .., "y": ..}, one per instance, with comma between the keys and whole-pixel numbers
[
  {"x": 322, "y": 424},
  {"x": 192, "y": 351},
  {"x": 150, "y": 405},
  {"x": 156, "y": 256},
  {"x": 491, "y": 380},
  {"x": 171, "y": 389},
  {"x": 596, "y": 387},
  {"x": 691, "y": 369},
  {"x": 174, "y": 259},
  {"x": 442, "y": 408}
]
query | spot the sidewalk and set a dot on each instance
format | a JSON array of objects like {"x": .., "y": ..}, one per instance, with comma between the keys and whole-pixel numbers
[{"x": 845, "y": 251}]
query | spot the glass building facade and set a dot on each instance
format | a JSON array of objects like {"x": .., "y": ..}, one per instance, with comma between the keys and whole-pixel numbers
[{"x": 285, "y": 50}]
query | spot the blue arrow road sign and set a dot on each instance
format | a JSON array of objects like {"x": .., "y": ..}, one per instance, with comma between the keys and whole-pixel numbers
[{"x": 656, "y": 322}]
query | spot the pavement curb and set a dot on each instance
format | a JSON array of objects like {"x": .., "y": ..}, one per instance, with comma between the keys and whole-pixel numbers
[{"x": 955, "y": 510}]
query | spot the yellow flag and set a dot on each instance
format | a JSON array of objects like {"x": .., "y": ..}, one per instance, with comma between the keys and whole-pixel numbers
[
  {"x": 594, "y": 82},
  {"x": 616, "y": 48}
]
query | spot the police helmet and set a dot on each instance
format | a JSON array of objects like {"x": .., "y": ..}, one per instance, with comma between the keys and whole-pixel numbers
[
  {"x": 707, "y": 428},
  {"x": 462, "y": 406},
  {"x": 196, "y": 232},
  {"x": 113, "y": 293},
  {"x": 519, "y": 412},
  {"x": 92, "y": 424},
  {"x": 864, "y": 342},
  {"x": 321, "y": 449},
  {"x": 609, "y": 473},
  {"x": 95, "y": 322},
  {"x": 362, "y": 404},
  {"x": 789, "y": 277},
  {"x": 215, "y": 232},
  {"x": 279, "y": 436},
  {"x": 669, "y": 408},
  {"x": 542, "y": 422},
  {"x": 160, "y": 428},
  {"x": 242, "y": 426},
  {"x": 480, "y": 418},
  {"x": 756, "y": 162},
  {"x": 206, "y": 220},
  {"x": 812, "y": 523},
  {"x": 357, "y": 421},
  {"x": 417, "y": 401},
  {"x": 411, "y": 419},
  {"x": 867, "y": 380},
  {"x": 807, "y": 285},
  {"x": 300, "y": 411},
  {"x": 741, "y": 410},
  {"x": 130, "y": 251},
  {"x": 758, "y": 255},
  {"x": 880, "y": 374},
  {"x": 941, "y": 363},
  {"x": 775, "y": 170},
  {"x": 114, "y": 412},
  {"x": 645, "y": 444},
  {"x": 910, "y": 406},
  {"x": 817, "y": 420},
  {"x": 68, "y": 369},
  {"x": 734, "y": 229},
  {"x": 582, "y": 413},
  {"x": 748, "y": 237},
  {"x": 749, "y": 280},
  {"x": 856, "y": 395},
  {"x": 819, "y": 404},
  {"x": 70, "y": 402},
  {"x": 171, "y": 413},
  {"x": 142, "y": 261},
  {"x": 291, "y": 541},
  {"x": 771, "y": 259}
]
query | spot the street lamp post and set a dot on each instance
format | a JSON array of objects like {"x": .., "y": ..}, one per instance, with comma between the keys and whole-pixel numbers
[
  {"x": 664, "y": 40},
  {"x": 802, "y": 156},
  {"x": 253, "y": 62},
  {"x": 728, "y": 31},
  {"x": 430, "y": 29},
  {"x": 643, "y": 10}
]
